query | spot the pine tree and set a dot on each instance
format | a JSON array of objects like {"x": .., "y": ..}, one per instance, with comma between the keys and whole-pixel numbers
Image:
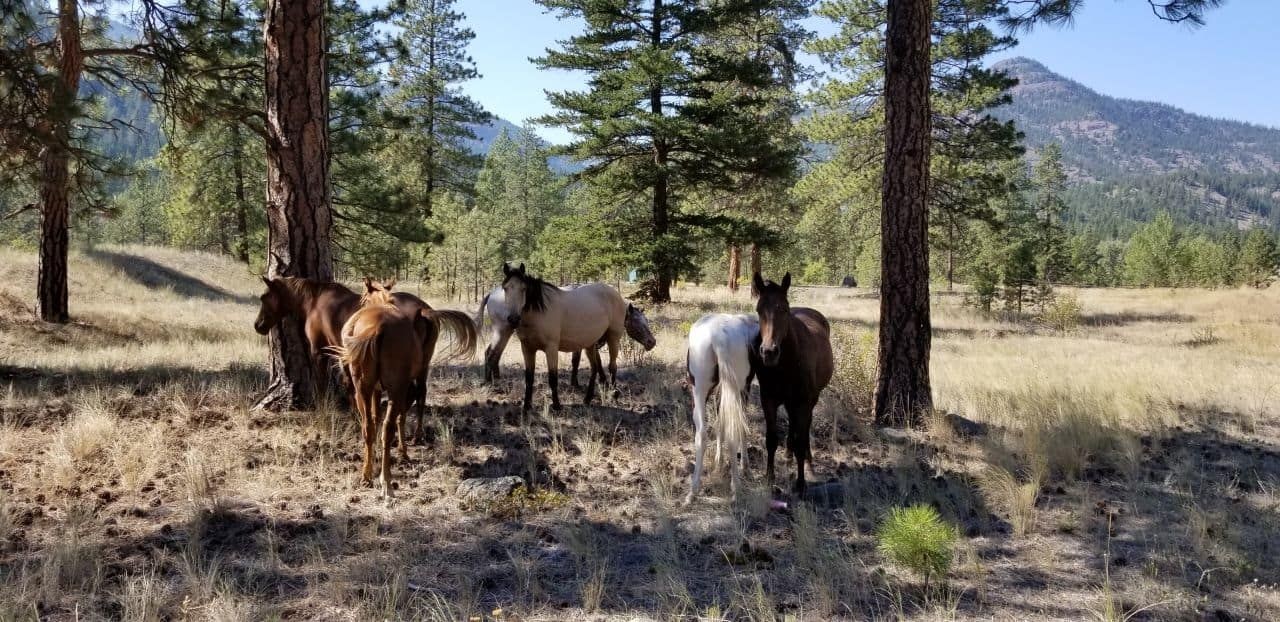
[
  {"x": 656, "y": 119},
  {"x": 1050, "y": 184},
  {"x": 1149, "y": 259},
  {"x": 518, "y": 188},
  {"x": 1258, "y": 258},
  {"x": 429, "y": 77}
]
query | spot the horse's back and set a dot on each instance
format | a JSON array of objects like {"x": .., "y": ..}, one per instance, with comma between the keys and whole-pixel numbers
[
  {"x": 589, "y": 312},
  {"x": 397, "y": 336},
  {"x": 815, "y": 342},
  {"x": 721, "y": 338}
]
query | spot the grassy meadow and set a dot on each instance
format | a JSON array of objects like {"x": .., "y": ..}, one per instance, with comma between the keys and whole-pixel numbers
[{"x": 1120, "y": 462}]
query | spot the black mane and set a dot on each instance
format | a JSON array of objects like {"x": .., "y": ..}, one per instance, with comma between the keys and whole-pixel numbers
[{"x": 535, "y": 298}]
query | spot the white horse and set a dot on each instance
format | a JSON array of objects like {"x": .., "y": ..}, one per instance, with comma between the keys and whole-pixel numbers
[
  {"x": 718, "y": 346},
  {"x": 494, "y": 306}
]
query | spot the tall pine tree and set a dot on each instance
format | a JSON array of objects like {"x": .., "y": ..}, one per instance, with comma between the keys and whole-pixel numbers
[{"x": 655, "y": 120}]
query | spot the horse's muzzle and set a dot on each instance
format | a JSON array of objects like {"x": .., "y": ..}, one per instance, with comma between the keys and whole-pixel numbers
[
  {"x": 514, "y": 321},
  {"x": 649, "y": 344},
  {"x": 769, "y": 355},
  {"x": 261, "y": 328}
]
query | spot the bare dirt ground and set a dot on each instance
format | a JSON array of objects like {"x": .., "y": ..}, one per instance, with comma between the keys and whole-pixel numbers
[{"x": 1126, "y": 468}]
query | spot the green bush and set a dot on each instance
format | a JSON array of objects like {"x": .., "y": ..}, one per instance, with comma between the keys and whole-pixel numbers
[{"x": 918, "y": 539}]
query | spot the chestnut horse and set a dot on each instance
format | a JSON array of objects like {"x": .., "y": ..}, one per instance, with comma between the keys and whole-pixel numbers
[
  {"x": 325, "y": 306},
  {"x": 495, "y": 302},
  {"x": 383, "y": 352},
  {"x": 793, "y": 365},
  {"x": 551, "y": 320}
]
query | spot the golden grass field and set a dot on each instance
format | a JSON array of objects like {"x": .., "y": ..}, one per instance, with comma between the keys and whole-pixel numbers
[{"x": 1127, "y": 468}]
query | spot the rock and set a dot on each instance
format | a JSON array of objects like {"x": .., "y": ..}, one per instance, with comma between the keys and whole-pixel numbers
[
  {"x": 485, "y": 489},
  {"x": 965, "y": 427},
  {"x": 826, "y": 494}
]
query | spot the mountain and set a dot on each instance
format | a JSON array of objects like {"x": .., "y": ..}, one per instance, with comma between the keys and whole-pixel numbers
[
  {"x": 486, "y": 134},
  {"x": 1128, "y": 159}
]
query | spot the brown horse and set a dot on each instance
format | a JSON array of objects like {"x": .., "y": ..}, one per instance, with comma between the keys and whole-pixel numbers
[
  {"x": 551, "y": 320},
  {"x": 793, "y": 364},
  {"x": 324, "y": 308},
  {"x": 382, "y": 351}
]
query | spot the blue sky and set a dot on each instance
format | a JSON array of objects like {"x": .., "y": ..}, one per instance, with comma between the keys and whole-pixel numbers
[{"x": 1229, "y": 68}]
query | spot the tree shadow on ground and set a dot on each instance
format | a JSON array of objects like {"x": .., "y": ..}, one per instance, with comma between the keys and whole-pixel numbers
[
  {"x": 1125, "y": 318},
  {"x": 153, "y": 275}
]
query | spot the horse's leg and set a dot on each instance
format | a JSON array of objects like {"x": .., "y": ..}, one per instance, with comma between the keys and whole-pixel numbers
[
  {"x": 769, "y": 405},
  {"x": 615, "y": 342},
  {"x": 553, "y": 374},
  {"x": 424, "y": 376},
  {"x": 498, "y": 339},
  {"x": 701, "y": 389},
  {"x": 395, "y": 407},
  {"x": 367, "y": 404},
  {"x": 574, "y": 361},
  {"x": 530, "y": 363},
  {"x": 593, "y": 356},
  {"x": 799, "y": 422}
]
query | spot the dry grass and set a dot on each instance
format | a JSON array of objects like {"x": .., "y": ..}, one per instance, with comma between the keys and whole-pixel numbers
[{"x": 1129, "y": 462}]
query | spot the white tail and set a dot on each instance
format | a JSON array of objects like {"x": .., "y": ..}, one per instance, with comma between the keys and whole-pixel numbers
[{"x": 731, "y": 427}]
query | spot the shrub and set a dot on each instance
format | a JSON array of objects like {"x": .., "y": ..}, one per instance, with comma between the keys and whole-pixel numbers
[
  {"x": 918, "y": 539},
  {"x": 855, "y": 371},
  {"x": 1062, "y": 313}
]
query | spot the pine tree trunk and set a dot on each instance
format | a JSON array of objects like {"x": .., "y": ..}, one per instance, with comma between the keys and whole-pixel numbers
[
  {"x": 242, "y": 203},
  {"x": 735, "y": 266},
  {"x": 55, "y": 208},
  {"x": 903, "y": 392},
  {"x": 755, "y": 259},
  {"x": 299, "y": 220},
  {"x": 661, "y": 291}
]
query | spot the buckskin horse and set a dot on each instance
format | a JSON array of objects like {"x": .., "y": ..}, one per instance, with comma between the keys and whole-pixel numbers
[
  {"x": 550, "y": 320},
  {"x": 494, "y": 306}
]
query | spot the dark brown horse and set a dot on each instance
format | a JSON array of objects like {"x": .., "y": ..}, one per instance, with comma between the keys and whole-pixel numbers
[
  {"x": 324, "y": 307},
  {"x": 793, "y": 364}
]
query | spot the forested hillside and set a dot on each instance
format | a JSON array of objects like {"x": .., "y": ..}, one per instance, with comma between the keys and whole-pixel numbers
[{"x": 1128, "y": 160}]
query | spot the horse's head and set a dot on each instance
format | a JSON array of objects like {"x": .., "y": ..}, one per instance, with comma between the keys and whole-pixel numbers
[
  {"x": 377, "y": 292},
  {"x": 775, "y": 316},
  {"x": 515, "y": 290},
  {"x": 274, "y": 306},
  {"x": 637, "y": 326}
]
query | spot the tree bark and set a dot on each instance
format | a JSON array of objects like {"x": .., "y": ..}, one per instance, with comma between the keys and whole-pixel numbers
[
  {"x": 299, "y": 219},
  {"x": 55, "y": 208},
  {"x": 903, "y": 392},
  {"x": 735, "y": 266},
  {"x": 755, "y": 258}
]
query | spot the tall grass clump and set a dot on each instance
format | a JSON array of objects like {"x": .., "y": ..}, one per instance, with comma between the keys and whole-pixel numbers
[
  {"x": 1062, "y": 312},
  {"x": 1014, "y": 498},
  {"x": 917, "y": 539}
]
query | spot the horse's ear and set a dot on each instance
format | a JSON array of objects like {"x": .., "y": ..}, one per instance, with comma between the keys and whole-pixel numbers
[
  {"x": 265, "y": 281},
  {"x": 521, "y": 268},
  {"x": 786, "y": 281},
  {"x": 506, "y": 269},
  {"x": 757, "y": 285},
  {"x": 368, "y": 284},
  {"x": 390, "y": 284}
]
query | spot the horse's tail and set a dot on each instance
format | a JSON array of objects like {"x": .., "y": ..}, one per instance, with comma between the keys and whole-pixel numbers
[
  {"x": 462, "y": 331},
  {"x": 479, "y": 320},
  {"x": 732, "y": 422},
  {"x": 360, "y": 352}
]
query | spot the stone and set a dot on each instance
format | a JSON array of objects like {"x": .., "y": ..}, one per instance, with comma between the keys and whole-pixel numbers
[{"x": 486, "y": 489}]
